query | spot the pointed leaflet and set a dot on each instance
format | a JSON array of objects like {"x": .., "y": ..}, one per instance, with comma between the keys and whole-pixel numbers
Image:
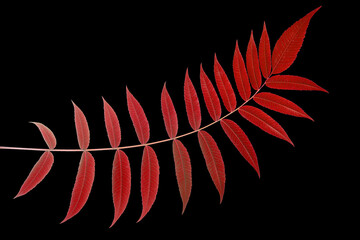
[
  {"x": 265, "y": 53},
  {"x": 83, "y": 184},
  {"x": 82, "y": 128},
  {"x": 223, "y": 84},
  {"x": 289, "y": 44},
  {"x": 121, "y": 175},
  {"x": 264, "y": 122},
  {"x": 183, "y": 171},
  {"x": 121, "y": 183},
  {"x": 241, "y": 142},
  {"x": 112, "y": 125},
  {"x": 192, "y": 103},
  {"x": 280, "y": 104},
  {"x": 211, "y": 98},
  {"x": 240, "y": 75},
  {"x": 47, "y": 134},
  {"x": 252, "y": 64},
  {"x": 138, "y": 118},
  {"x": 214, "y": 161},
  {"x": 149, "y": 179},
  {"x": 289, "y": 82},
  {"x": 38, "y": 173},
  {"x": 169, "y": 113}
]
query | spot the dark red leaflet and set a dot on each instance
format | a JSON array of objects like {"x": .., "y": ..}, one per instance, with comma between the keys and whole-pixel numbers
[
  {"x": 83, "y": 184},
  {"x": 192, "y": 104},
  {"x": 289, "y": 82},
  {"x": 214, "y": 161},
  {"x": 252, "y": 64},
  {"x": 241, "y": 142},
  {"x": 265, "y": 53},
  {"x": 121, "y": 183},
  {"x": 82, "y": 128},
  {"x": 240, "y": 74},
  {"x": 112, "y": 125},
  {"x": 37, "y": 174},
  {"x": 211, "y": 98},
  {"x": 183, "y": 171},
  {"x": 169, "y": 113},
  {"x": 138, "y": 118},
  {"x": 280, "y": 104},
  {"x": 264, "y": 122},
  {"x": 289, "y": 44},
  {"x": 150, "y": 172},
  {"x": 47, "y": 134},
  {"x": 224, "y": 86}
]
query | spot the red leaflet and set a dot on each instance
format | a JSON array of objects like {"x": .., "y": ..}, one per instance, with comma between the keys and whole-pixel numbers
[
  {"x": 121, "y": 183},
  {"x": 241, "y": 142},
  {"x": 252, "y": 64},
  {"x": 289, "y": 82},
  {"x": 138, "y": 118},
  {"x": 149, "y": 179},
  {"x": 240, "y": 74},
  {"x": 289, "y": 44},
  {"x": 83, "y": 184},
  {"x": 82, "y": 128},
  {"x": 226, "y": 91},
  {"x": 192, "y": 103},
  {"x": 264, "y": 122},
  {"x": 214, "y": 161},
  {"x": 265, "y": 53},
  {"x": 38, "y": 173},
  {"x": 47, "y": 134},
  {"x": 210, "y": 96},
  {"x": 112, "y": 125},
  {"x": 183, "y": 171},
  {"x": 280, "y": 104},
  {"x": 169, "y": 113}
]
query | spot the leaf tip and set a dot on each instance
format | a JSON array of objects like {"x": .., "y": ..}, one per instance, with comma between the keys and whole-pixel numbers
[
  {"x": 184, "y": 207},
  {"x": 289, "y": 140},
  {"x": 128, "y": 93},
  {"x": 105, "y": 103},
  {"x": 127, "y": 90},
  {"x": 308, "y": 117},
  {"x": 18, "y": 195},
  {"x": 112, "y": 224},
  {"x": 187, "y": 73},
  {"x": 258, "y": 172},
  {"x": 74, "y": 105},
  {"x": 141, "y": 217},
  {"x": 264, "y": 28},
  {"x": 221, "y": 197},
  {"x": 65, "y": 219},
  {"x": 317, "y": 9},
  {"x": 183, "y": 210}
]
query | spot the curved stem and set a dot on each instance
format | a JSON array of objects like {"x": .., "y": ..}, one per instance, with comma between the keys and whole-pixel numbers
[{"x": 139, "y": 145}]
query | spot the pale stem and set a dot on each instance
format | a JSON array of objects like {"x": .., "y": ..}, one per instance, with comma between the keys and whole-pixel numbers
[{"x": 139, "y": 145}]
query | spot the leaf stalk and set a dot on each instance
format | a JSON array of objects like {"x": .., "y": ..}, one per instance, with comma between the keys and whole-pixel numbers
[{"x": 138, "y": 145}]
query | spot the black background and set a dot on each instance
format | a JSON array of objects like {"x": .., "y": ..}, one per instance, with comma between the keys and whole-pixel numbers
[{"x": 52, "y": 54}]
